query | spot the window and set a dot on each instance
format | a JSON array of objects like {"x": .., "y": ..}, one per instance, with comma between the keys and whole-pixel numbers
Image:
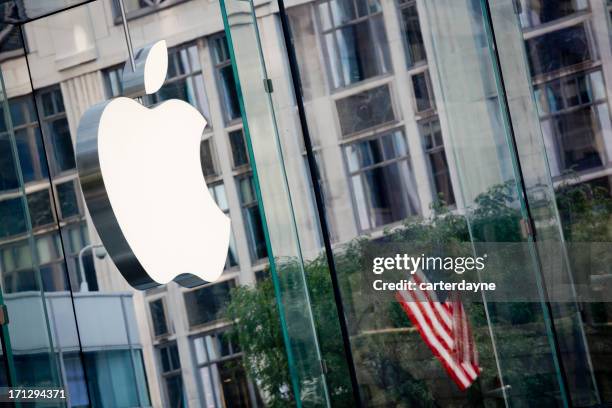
[
  {"x": 113, "y": 81},
  {"x": 136, "y": 8},
  {"x": 207, "y": 304},
  {"x": 220, "y": 371},
  {"x": 39, "y": 205},
  {"x": 413, "y": 40},
  {"x": 114, "y": 378},
  {"x": 66, "y": 195},
  {"x": 575, "y": 116},
  {"x": 171, "y": 375},
  {"x": 365, "y": 110},
  {"x": 240, "y": 155},
  {"x": 438, "y": 166},
  {"x": 158, "y": 317},
  {"x": 75, "y": 376},
  {"x": 356, "y": 45},
  {"x": 558, "y": 49},
  {"x": 252, "y": 218},
  {"x": 423, "y": 94},
  {"x": 27, "y": 136},
  {"x": 536, "y": 12},
  {"x": 217, "y": 191},
  {"x": 184, "y": 80},
  {"x": 207, "y": 158},
  {"x": 382, "y": 182},
  {"x": 12, "y": 217},
  {"x": 56, "y": 131},
  {"x": 75, "y": 237},
  {"x": 225, "y": 77},
  {"x": 8, "y": 170}
]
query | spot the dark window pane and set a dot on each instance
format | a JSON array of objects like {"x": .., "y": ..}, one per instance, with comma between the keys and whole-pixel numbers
[
  {"x": 47, "y": 104},
  {"x": 25, "y": 155},
  {"x": 365, "y": 110},
  {"x": 415, "y": 48},
  {"x": 239, "y": 149},
  {"x": 206, "y": 158},
  {"x": 67, "y": 199},
  {"x": 421, "y": 92},
  {"x": 207, "y": 304},
  {"x": 231, "y": 105},
  {"x": 255, "y": 232},
  {"x": 578, "y": 139},
  {"x": 8, "y": 173},
  {"x": 54, "y": 278},
  {"x": 62, "y": 144},
  {"x": 558, "y": 49},
  {"x": 12, "y": 217},
  {"x": 220, "y": 50},
  {"x": 158, "y": 317},
  {"x": 39, "y": 204},
  {"x": 75, "y": 376},
  {"x": 536, "y": 12},
  {"x": 441, "y": 176},
  {"x": 174, "y": 391}
]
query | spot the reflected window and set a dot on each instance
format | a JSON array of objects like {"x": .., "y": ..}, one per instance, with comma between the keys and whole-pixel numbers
[
  {"x": 56, "y": 130},
  {"x": 217, "y": 191},
  {"x": 225, "y": 77},
  {"x": 252, "y": 217},
  {"x": 575, "y": 117},
  {"x": 356, "y": 46},
  {"x": 537, "y": 12},
  {"x": 382, "y": 182},
  {"x": 113, "y": 379},
  {"x": 365, "y": 110},
  {"x": 171, "y": 375},
  {"x": 75, "y": 376},
  {"x": 423, "y": 93},
  {"x": 68, "y": 203},
  {"x": 12, "y": 217},
  {"x": 157, "y": 308},
  {"x": 220, "y": 371},
  {"x": 413, "y": 39},
  {"x": 8, "y": 170},
  {"x": 184, "y": 80},
  {"x": 28, "y": 139},
  {"x": 39, "y": 205},
  {"x": 137, "y": 8},
  {"x": 433, "y": 144},
  {"x": 207, "y": 304},
  {"x": 207, "y": 158},
  {"x": 113, "y": 81},
  {"x": 240, "y": 154},
  {"x": 74, "y": 238},
  {"x": 558, "y": 49}
]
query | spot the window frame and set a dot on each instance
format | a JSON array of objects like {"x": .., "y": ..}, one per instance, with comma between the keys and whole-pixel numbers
[
  {"x": 320, "y": 32},
  {"x": 350, "y": 174},
  {"x": 549, "y": 116},
  {"x": 401, "y": 6},
  {"x": 436, "y": 148},
  {"x": 169, "y": 326}
]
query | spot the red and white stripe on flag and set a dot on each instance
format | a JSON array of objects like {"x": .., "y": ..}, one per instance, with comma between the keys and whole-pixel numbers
[{"x": 445, "y": 328}]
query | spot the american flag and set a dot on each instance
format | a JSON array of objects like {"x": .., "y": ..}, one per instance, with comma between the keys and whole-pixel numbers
[{"x": 445, "y": 328}]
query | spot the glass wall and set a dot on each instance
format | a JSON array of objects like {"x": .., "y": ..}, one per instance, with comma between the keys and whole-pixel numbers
[{"x": 338, "y": 131}]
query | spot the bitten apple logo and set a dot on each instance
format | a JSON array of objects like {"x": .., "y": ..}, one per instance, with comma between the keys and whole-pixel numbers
[{"x": 142, "y": 179}]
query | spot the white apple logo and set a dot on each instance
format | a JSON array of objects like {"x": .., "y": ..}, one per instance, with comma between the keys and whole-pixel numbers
[{"x": 142, "y": 179}]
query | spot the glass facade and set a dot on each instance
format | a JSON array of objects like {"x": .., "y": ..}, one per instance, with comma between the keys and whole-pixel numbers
[{"x": 337, "y": 131}]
